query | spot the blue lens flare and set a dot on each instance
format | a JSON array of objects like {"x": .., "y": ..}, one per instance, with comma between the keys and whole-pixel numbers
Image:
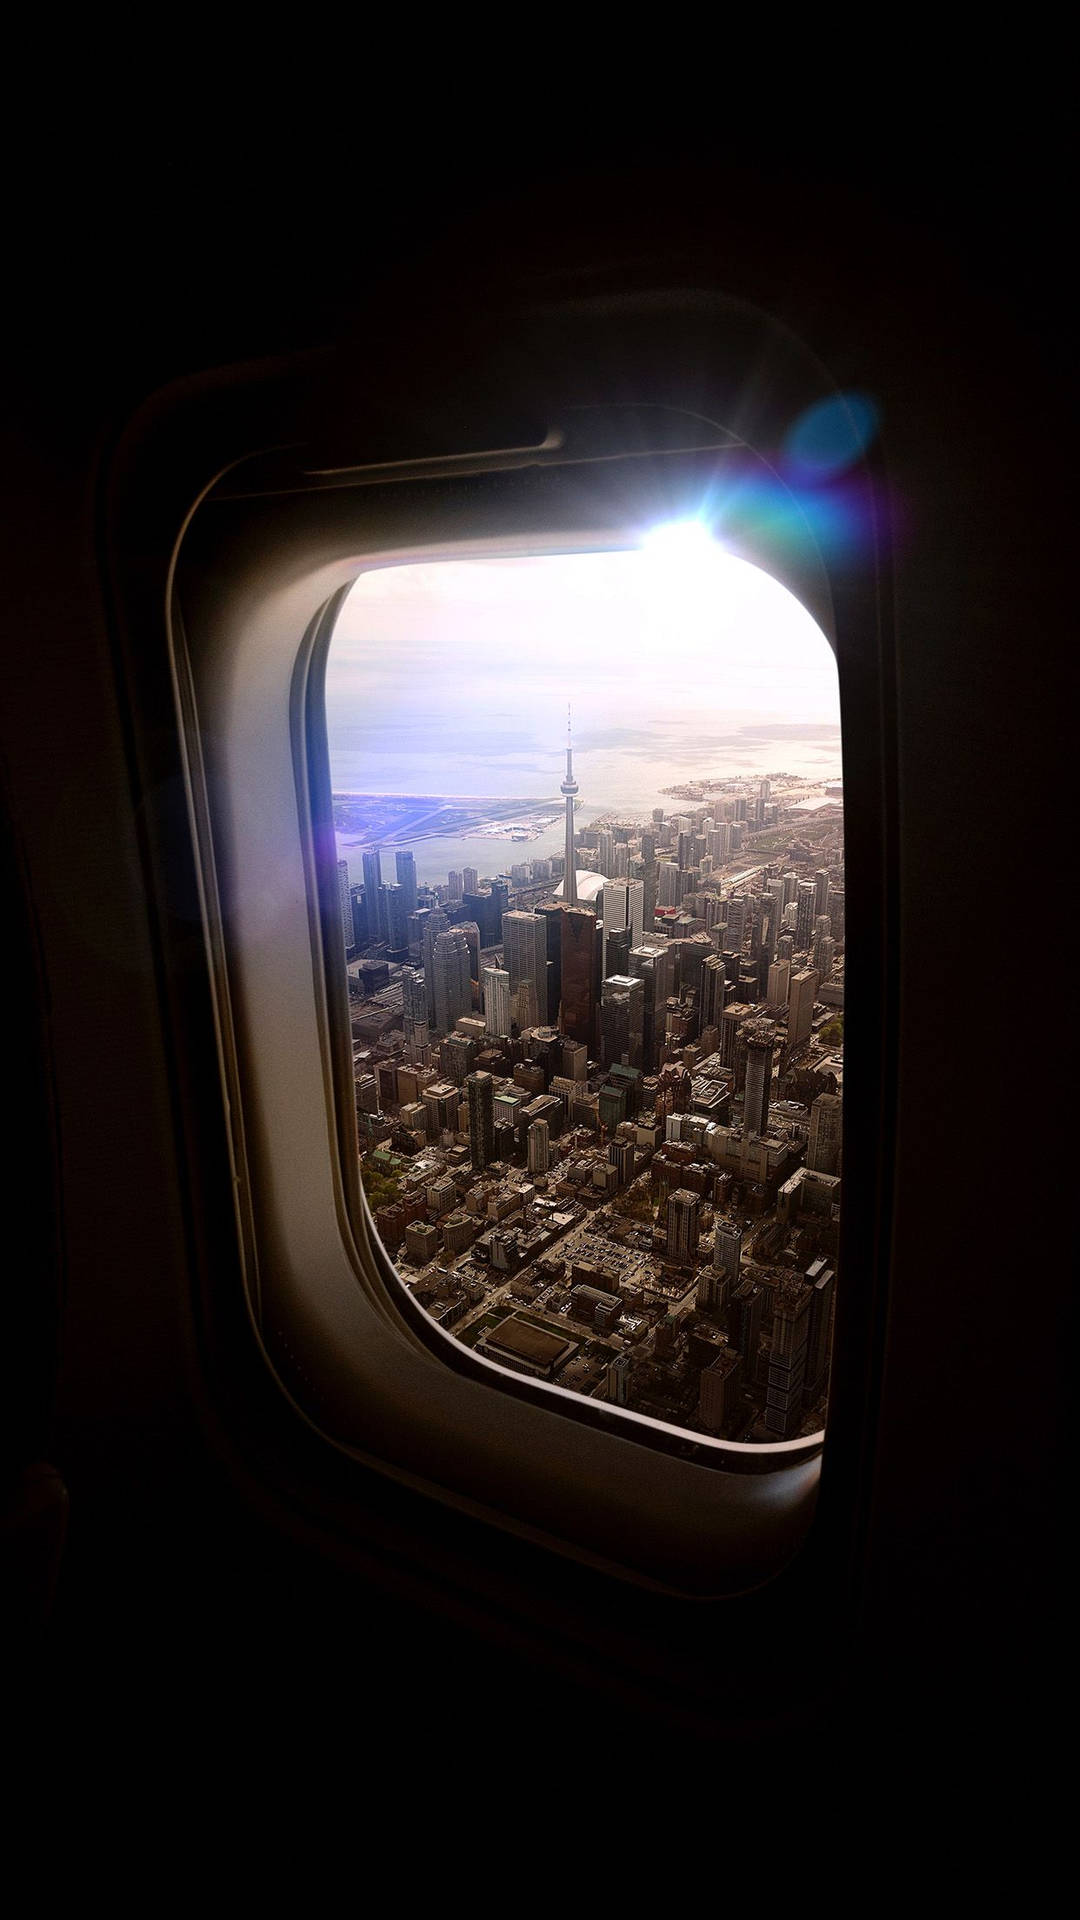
[{"x": 829, "y": 437}]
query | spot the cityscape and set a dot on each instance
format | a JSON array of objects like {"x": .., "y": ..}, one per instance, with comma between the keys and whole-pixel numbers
[{"x": 599, "y": 1092}]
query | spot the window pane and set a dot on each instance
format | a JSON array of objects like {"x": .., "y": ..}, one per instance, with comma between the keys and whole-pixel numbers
[{"x": 599, "y": 1104}]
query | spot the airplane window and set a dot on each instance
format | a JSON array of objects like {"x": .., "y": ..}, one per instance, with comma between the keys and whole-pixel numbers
[{"x": 590, "y": 846}]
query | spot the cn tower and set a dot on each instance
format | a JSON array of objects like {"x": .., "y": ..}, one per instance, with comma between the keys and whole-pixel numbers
[{"x": 569, "y": 788}]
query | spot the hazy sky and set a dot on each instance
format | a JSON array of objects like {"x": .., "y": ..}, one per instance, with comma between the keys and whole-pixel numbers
[{"x": 657, "y": 649}]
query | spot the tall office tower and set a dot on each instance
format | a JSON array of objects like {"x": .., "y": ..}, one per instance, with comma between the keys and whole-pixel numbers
[
  {"x": 823, "y": 1281},
  {"x": 723, "y": 841},
  {"x": 734, "y": 1017},
  {"x": 791, "y": 886},
  {"x": 470, "y": 880},
  {"x": 480, "y": 1092},
  {"x": 551, "y": 914},
  {"x": 764, "y": 790},
  {"x": 621, "y": 1155},
  {"x": 713, "y": 983},
  {"x": 787, "y": 1359},
  {"x": 801, "y": 996},
  {"x": 712, "y": 1291},
  {"x": 727, "y": 1251},
  {"x": 618, "y": 953},
  {"x": 785, "y": 948},
  {"x": 836, "y": 912},
  {"x": 749, "y": 984},
  {"x": 523, "y": 1004},
  {"x": 605, "y": 850},
  {"x": 804, "y": 923},
  {"x": 789, "y": 920},
  {"x": 538, "y": 1142},
  {"x": 822, "y": 954},
  {"x": 669, "y": 884},
  {"x": 684, "y": 852},
  {"x": 744, "y": 1324},
  {"x": 500, "y": 900},
  {"x": 578, "y": 990},
  {"x": 821, "y": 891},
  {"x": 345, "y": 899},
  {"x": 435, "y": 923},
  {"x": 497, "y": 1002},
  {"x": 740, "y": 807},
  {"x": 826, "y": 1133},
  {"x": 622, "y": 1021},
  {"x": 720, "y": 1402},
  {"x": 472, "y": 934},
  {"x": 457, "y": 1057},
  {"x": 415, "y": 1012},
  {"x": 736, "y": 923},
  {"x": 774, "y": 895},
  {"x": 454, "y": 888},
  {"x": 622, "y": 907},
  {"x": 405, "y": 863},
  {"x": 569, "y": 789},
  {"x": 621, "y": 868},
  {"x": 372, "y": 884},
  {"x": 653, "y": 963},
  {"x": 776, "y": 993},
  {"x": 359, "y": 917},
  {"x": 760, "y": 1038},
  {"x": 393, "y": 917},
  {"x": 524, "y": 940},
  {"x": 683, "y": 1213},
  {"x": 450, "y": 984},
  {"x": 658, "y": 817},
  {"x": 648, "y": 879}
]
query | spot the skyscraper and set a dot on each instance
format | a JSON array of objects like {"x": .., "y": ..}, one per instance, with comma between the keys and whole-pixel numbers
[
  {"x": 682, "y": 1225},
  {"x": 406, "y": 875},
  {"x": 551, "y": 914},
  {"x": 524, "y": 939},
  {"x": 569, "y": 788},
  {"x": 622, "y": 1011},
  {"x": 759, "y": 1059},
  {"x": 538, "y": 1141},
  {"x": 776, "y": 992},
  {"x": 801, "y": 995},
  {"x": 578, "y": 991},
  {"x": 372, "y": 884},
  {"x": 480, "y": 1092},
  {"x": 826, "y": 1132},
  {"x": 415, "y": 1011},
  {"x": 727, "y": 1250},
  {"x": 497, "y": 1001},
  {"x": 804, "y": 923},
  {"x": 451, "y": 989},
  {"x": 434, "y": 922},
  {"x": 345, "y": 898},
  {"x": 623, "y": 907},
  {"x": 653, "y": 963}
]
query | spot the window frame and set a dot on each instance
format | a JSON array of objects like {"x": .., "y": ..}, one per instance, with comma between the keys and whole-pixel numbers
[{"x": 752, "y": 1522}]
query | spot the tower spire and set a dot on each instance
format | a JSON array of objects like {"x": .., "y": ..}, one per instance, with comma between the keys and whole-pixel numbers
[{"x": 569, "y": 788}]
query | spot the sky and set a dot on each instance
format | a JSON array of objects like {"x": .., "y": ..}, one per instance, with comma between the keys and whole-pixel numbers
[{"x": 674, "y": 653}]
